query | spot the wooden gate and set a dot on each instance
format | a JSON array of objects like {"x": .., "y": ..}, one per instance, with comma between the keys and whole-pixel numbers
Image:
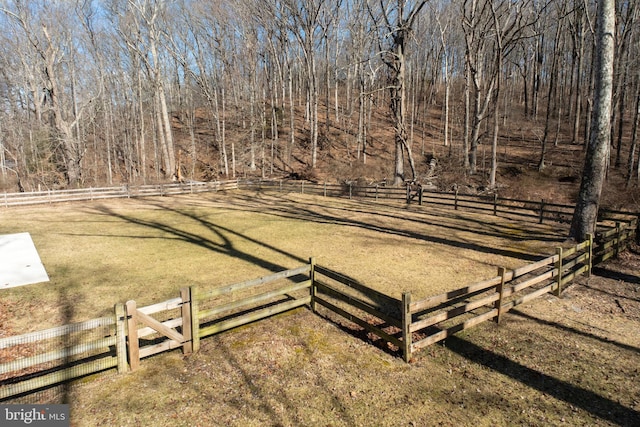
[{"x": 167, "y": 329}]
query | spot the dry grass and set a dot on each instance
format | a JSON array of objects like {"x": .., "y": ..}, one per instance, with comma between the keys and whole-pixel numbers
[
  {"x": 98, "y": 254},
  {"x": 567, "y": 361}
]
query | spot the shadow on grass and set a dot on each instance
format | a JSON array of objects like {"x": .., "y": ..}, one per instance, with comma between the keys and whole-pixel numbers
[
  {"x": 574, "y": 331},
  {"x": 224, "y": 233},
  {"x": 623, "y": 297},
  {"x": 418, "y": 228},
  {"x": 311, "y": 212},
  {"x": 265, "y": 397},
  {"x": 589, "y": 401}
]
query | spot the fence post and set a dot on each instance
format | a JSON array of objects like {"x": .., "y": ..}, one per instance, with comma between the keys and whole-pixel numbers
[
  {"x": 559, "y": 268},
  {"x": 187, "y": 346},
  {"x": 618, "y": 237},
  {"x": 312, "y": 278},
  {"x": 455, "y": 202},
  {"x": 132, "y": 329},
  {"x": 406, "y": 326},
  {"x": 590, "y": 254},
  {"x": 541, "y": 211},
  {"x": 408, "y": 194},
  {"x": 500, "y": 290},
  {"x": 195, "y": 321},
  {"x": 325, "y": 188},
  {"x": 121, "y": 337},
  {"x": 350, "y": 190},
  {"x": 301, "y": 187},
  {"x": 420, "y": 196},
  {"x": 495, "y": 203},
  {"x": 637, "y": 220},
  {"x": 376, "y": 192}
]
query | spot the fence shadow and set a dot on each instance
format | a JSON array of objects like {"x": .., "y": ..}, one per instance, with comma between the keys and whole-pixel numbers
[
  {"x": 589, "y": 401},
  {"x": 616, "y": 275},
  {"x": 574, "y": 331}
]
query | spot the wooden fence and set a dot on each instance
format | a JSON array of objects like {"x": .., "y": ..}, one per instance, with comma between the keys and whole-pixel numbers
[
  {"x": 124, "y": 191},
  {"x": 53, "y": 356},
  {"x": 231, "y": 306},
  {"x": 540, "y": 210},
  {"x": 435, "y": 318},
  {"x": 41, "y": 359},
  {"x": 486, "y": 203},
  {"x": 44, "y": 358}
]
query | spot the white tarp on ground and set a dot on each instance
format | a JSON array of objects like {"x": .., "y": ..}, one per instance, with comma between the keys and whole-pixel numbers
[{"x": 19, "y": 261}]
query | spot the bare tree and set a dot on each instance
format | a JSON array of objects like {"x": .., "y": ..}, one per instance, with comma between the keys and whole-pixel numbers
[
  {"x": 586, "y": 212},
  {"x": 302, "y": 18},
  {"x": 395, "y": 20},
  {"x": 633, "y": 148},
  {"x": 47, "y": 44},
  {"x": 141, "y": 22}
]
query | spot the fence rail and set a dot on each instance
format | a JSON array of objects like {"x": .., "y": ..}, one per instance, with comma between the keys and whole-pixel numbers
[
  {"x": 371, "y": 310},
  {"x": 124, "y": 191},
  {"x": 235, "y": 305},
  {"x": 541, "y": 210},
  {"x": 53, "y": 356},
  {"x": 41, "y": 359},
  {"x": 437, "y": 317}
]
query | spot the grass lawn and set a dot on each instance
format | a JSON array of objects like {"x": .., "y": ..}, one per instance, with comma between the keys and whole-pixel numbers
[
  {"x": 101, "y": 253},
  {"x": 552, "y": 362}
]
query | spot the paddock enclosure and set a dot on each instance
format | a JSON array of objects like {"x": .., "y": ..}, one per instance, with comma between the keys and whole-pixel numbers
[{"x": 101, "y": 253}]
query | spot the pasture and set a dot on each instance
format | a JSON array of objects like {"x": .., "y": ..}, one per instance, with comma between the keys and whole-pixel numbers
[
  {"x": 111, "y": 251},
  {"x": 538, "y": 369}
]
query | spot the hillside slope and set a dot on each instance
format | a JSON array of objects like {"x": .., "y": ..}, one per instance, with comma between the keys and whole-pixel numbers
[{"x": 341, "y": 159}]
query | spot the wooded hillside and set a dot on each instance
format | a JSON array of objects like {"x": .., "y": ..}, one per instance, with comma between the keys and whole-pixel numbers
[{"x": 498, "y": 92}]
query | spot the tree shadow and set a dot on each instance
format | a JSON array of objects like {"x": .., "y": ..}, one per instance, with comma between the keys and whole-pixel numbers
[
  {"x": 615, "y": 275},
  {"x": 226, "y": 246},
  {"x": 589, "y": 401},
  {"x": 574, "y": 331},
  {"x": 261, "y": 404},
  {"x": 311, "y": 212}
]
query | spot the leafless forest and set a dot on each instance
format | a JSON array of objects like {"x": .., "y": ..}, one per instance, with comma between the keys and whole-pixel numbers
[{"x": 100, "y": 92}]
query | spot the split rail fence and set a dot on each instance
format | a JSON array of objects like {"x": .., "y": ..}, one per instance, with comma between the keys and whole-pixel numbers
[
  {"x": 124, "y": 191},
  {"x": 42, "y": 359},
  {"x": 540, "y": 210}
]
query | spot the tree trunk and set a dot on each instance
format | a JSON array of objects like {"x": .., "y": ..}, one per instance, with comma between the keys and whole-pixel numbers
[
  {"x": 550, "y": 98},
  {"x": 634, "y": 137},
  {"x": 467, "y": 112},
  {"x": 621, "y": 108},
  {"x": 398, "y": 108},
  {"x": 578, "y": 86},
  {"x": 586, "y": 212}
]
